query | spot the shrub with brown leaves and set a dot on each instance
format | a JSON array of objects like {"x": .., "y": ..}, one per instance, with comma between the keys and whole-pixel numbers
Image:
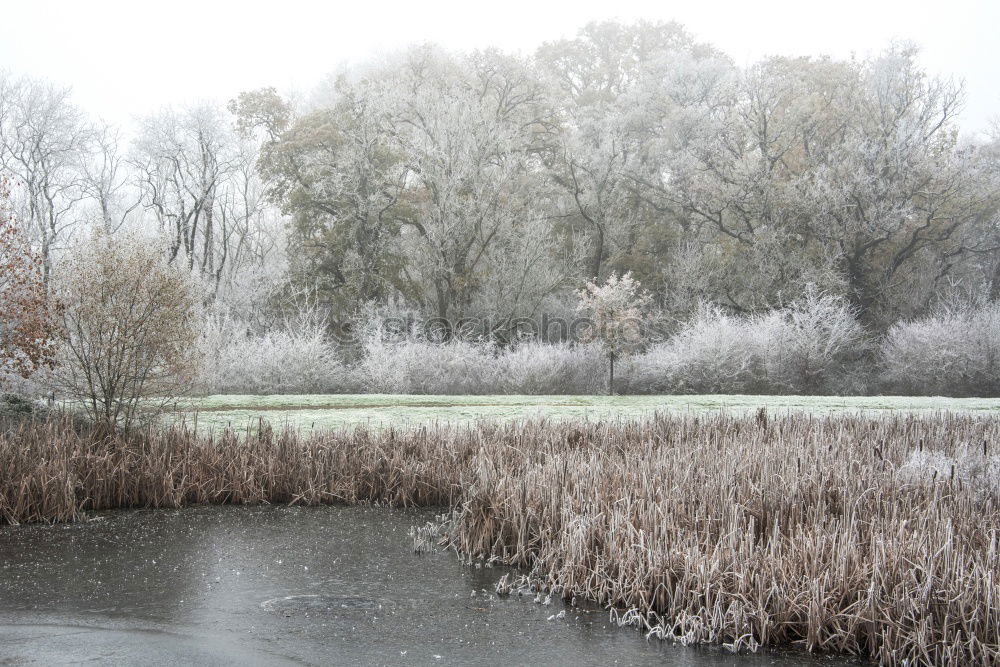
[{"x": 27, "y": 329}]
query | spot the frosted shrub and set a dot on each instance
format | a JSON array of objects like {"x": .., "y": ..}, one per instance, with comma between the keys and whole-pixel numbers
[
  {"x": 551, "y": 368},
  {"x": 422, "y": 367},
  {"x": 810, "y": 346},
  {"x": 417, "y": 366},
  {"x": 297, "y": 358},
  {"x": 460, "y": 367},
  {"x": 953, "y": 352},
  {"x": 129, "y": 328},
  {"x": 712, "y": 353}
]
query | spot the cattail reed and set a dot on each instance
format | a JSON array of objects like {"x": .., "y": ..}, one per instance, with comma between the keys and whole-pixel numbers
[{"x": 741, "y": 530}]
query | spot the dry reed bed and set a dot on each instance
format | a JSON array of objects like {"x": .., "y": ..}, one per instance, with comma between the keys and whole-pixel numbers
[{"x": 736, "y": 529}]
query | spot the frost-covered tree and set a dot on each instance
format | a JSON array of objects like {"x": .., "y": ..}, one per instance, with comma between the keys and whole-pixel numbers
[
  {"x": 108, "y": 181},
  {"x": 336, "y": 172},
  {"x": 596, "y": 82},
  {"x": 615, "y": 309},
  {"x": 469, "y": 128},
  {"x": 199, "y": 183},
  {"x": 846, "y": 175},
  {"x": 420, "y": 179},
  {"x": 44, "y": 140}
]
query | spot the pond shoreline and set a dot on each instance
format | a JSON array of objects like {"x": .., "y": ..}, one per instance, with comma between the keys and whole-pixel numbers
[
  {"x": 717, "y": 529},
  {"x": 198, "y": 584}
]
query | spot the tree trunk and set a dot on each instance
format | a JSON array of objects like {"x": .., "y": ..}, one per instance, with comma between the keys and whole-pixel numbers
[
  {"x": 995, "y": 283},
  {"x": 611, "y": 375},
  {"x": 596, "y": 253}
]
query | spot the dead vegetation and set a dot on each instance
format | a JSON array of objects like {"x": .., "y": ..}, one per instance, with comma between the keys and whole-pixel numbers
[{"x": 745, "y": 530}]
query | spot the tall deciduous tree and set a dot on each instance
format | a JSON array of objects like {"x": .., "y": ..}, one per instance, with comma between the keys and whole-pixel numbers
[
  {"x": 482, "y": 184},
  {"x": 198, "y": 181},
  {"x": 470, "y": 129},
  {"x": 421, "y": 179},
  {"x": 44, "y": 139},
  {"x": 593, "y": 80}
]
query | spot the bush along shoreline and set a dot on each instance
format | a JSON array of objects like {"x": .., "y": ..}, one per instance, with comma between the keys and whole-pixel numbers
[{"x": 874, "y": 537}]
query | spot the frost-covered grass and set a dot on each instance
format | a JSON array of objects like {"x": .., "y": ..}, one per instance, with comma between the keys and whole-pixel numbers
[{"x": 335, "y": 410}]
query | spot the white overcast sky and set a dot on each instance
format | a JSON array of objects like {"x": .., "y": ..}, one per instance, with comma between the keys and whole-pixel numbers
[{"x": 129, "y": 58}]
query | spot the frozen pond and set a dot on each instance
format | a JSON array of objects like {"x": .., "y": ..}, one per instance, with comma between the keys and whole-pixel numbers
[{"x": 260, "y": 585}]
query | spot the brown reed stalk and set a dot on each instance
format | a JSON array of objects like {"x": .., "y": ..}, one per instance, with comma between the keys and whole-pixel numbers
[{"x": 740, "y": 530}]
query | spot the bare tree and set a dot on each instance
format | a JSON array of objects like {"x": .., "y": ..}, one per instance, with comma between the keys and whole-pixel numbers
[
  {"x": 43, "y": 143},
  {"x": 107, "y": 180},
  {"x": 198, "y": 180},
  {"x": 130, "y": 327}
]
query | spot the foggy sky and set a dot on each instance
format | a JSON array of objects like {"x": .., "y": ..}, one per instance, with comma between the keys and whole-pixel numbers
[{"x": 125, "y": 59}]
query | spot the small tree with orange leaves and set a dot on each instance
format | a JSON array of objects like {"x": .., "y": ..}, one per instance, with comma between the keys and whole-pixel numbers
[{"x": 27, "y": 328}]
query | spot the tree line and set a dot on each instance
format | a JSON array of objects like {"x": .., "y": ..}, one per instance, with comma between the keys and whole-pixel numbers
[
  {"x": 494, "y": 185},
  {"x": 487, "y": 183}
]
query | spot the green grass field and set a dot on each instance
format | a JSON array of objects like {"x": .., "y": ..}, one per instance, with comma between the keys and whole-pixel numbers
[{"x": 340, "y": 410}]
